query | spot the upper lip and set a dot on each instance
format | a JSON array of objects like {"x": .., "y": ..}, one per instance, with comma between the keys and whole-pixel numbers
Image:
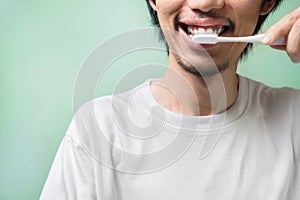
[{"x": 204, "y": 22}]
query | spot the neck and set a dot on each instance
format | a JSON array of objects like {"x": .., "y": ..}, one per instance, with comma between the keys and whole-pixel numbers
[{"x": 182, "y": 92}]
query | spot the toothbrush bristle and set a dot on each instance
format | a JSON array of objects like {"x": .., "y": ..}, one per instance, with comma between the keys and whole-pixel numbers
[{"x": 205, "y": 38}]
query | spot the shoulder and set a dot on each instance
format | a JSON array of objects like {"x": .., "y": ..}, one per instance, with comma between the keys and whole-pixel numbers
[
  {"x": 263, "y": 92},
  {"x": 103, "y": 110},
  {"x": 99, "y": 123},
  {"x": 282, "y": 103},
  {"x": 99, "y": 112}
]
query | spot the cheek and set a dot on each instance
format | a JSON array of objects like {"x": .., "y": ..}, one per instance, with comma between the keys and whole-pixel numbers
[
  {"x": 246, "y": 13},
  {"x": 247, "y": 8},
  {"x": 167, "y": 7}
]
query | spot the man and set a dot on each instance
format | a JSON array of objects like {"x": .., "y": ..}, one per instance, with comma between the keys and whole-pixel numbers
[{"x": 199, "y": 132}]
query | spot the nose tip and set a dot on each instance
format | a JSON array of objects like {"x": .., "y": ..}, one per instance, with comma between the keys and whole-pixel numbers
[{"x": 205, "y": 5}]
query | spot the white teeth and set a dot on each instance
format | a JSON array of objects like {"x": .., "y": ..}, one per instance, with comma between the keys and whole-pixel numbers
[
  {"x": 220, "y": 30},
  {"x": 209, "y": 31},
  {"x": 196, "y": 31},
  {"x": 201, "y": 31},
  {"x": 190, "y": 31}
]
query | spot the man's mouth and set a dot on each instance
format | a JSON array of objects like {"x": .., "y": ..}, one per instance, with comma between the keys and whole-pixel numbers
[
  {"x": 193, "y": 30},
  {"x": 195, "y": 26}
]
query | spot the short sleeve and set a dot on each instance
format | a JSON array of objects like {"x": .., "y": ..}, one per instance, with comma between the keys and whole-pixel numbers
[{"x": 71, "y": 175}]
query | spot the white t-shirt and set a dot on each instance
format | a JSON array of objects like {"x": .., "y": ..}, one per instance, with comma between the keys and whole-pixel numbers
[{"x": 128, "y": 147}]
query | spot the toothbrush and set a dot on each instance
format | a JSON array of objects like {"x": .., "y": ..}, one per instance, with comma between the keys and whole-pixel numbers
[{"x": 214, "y": 39}]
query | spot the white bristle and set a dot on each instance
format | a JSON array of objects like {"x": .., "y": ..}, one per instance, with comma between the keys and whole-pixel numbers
[{"x": 206, "y": 38}]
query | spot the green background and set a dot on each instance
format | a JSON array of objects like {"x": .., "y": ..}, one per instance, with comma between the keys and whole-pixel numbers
[{"x": 43, "y": 45}]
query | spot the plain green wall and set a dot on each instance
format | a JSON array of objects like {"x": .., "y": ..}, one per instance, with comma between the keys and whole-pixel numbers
[{"x": 43, "y": 45}]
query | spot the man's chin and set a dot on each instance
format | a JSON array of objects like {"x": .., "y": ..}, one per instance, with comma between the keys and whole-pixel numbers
[{"x": 204, "y": 69}]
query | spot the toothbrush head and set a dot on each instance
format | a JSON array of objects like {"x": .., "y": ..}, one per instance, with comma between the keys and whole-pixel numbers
[{"x": 205, "y": 38}]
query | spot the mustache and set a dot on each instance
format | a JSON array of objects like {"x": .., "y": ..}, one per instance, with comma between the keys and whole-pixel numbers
[{"x": 201, "y": 15}]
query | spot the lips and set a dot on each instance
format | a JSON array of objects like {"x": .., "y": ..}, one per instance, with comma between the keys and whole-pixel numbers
[{"x": 205, "y": 26}]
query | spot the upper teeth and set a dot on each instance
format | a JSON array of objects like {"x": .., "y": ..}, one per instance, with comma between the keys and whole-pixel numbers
[{"x": 196, "y": 31}]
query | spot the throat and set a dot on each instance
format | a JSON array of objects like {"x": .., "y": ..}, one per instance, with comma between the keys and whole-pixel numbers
[{"x": 194, "y": 98}]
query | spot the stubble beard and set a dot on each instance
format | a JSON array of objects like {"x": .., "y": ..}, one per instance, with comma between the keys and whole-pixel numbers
[{"x": 202, "y": 71}]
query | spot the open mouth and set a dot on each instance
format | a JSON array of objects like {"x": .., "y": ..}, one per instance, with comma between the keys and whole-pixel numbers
[{"x": 196, "y": 30}]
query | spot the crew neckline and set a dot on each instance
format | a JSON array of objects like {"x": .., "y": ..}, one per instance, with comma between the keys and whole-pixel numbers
[{"x": 210, "y": 122}]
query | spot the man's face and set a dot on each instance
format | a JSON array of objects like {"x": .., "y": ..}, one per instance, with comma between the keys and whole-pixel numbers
[{"x": 180, "y": 19}]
